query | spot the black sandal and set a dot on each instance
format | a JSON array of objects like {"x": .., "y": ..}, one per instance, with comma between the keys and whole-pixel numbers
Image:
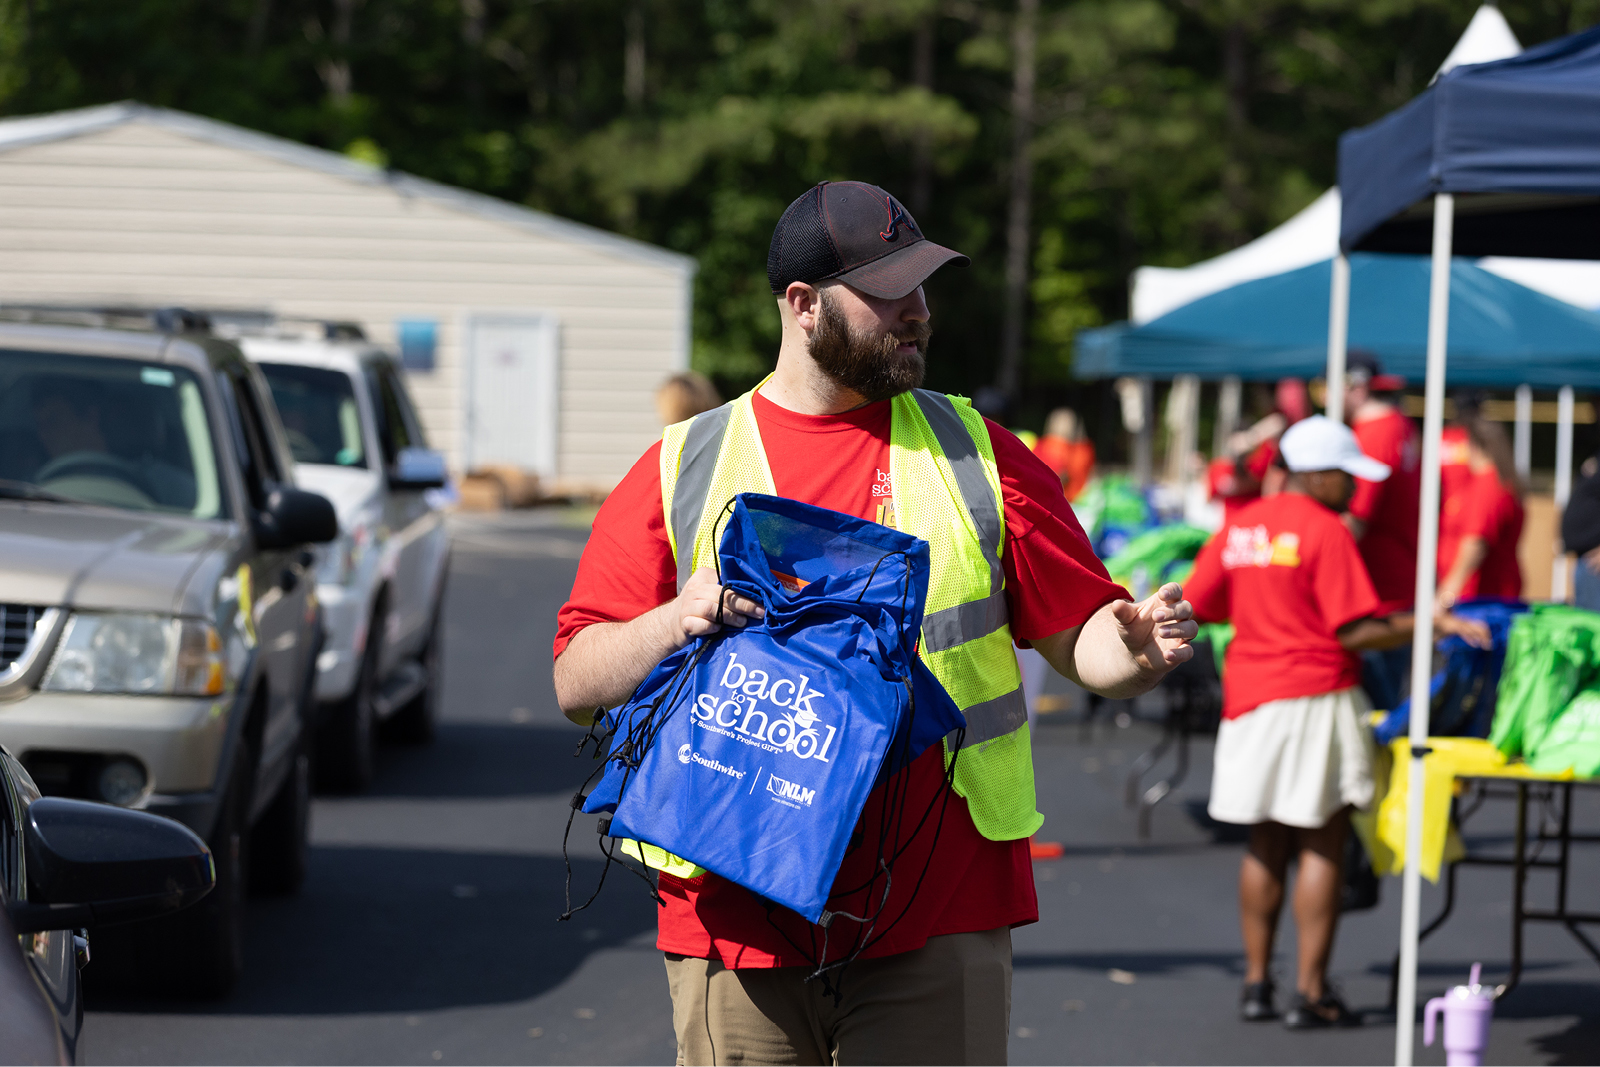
[
  {"x": 1255, "y": 1003},
  {"x": 1328, "y": 1012}
]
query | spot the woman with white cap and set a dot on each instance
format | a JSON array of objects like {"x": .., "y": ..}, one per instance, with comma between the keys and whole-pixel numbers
[{"x": 1293, "y": 753}]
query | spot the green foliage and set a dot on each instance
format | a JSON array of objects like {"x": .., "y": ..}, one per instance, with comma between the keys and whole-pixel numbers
[{"x": 1166, "y": 130}]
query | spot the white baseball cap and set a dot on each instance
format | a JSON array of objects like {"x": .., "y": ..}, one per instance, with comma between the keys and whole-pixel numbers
[{"x": 1320, "y": 444}]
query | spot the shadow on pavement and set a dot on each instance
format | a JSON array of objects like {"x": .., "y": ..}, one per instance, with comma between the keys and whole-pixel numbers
[
  {"x": 1142, "y": 964},
  {"x": 481, "y": 760},
  {"x": 393, "y": 930}
]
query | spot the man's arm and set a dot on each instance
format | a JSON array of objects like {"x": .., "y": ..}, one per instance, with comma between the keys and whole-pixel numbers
[
  {"x": 605, "y": 662},
  {"x": 1469, "y": 557},
  {"x": 1124, "y": 649}
]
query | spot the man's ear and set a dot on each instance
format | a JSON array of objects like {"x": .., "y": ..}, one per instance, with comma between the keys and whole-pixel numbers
[{"x": 805, "y": 303}]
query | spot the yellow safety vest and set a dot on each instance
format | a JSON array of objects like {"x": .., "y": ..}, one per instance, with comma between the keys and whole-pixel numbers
[{"x": 946, "y": 491}]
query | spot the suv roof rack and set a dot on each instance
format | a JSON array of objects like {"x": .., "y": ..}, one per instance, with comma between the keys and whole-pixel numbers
[
  {"x": 231, "y": 323},
  {"x": 157, "y": 319}
]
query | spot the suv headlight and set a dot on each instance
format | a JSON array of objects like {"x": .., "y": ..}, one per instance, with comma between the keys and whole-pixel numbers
[{"x": 149, "y": 654}]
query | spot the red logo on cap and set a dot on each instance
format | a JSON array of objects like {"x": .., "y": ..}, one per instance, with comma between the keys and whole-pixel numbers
[{"x": 896, "y": 217}]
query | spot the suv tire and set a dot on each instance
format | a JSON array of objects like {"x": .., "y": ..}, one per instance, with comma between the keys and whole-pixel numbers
[
  {"x": 346, "y": 738},
  {"x": 415, "y": 722},
  {"x": 198, "y": 953},
  {"x": 278, "y": 844}
]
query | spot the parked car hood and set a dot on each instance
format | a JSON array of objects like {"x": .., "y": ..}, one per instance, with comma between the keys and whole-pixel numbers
[
  {"x": 349, "y": 489},
  {"x": 91, "y": 557}
]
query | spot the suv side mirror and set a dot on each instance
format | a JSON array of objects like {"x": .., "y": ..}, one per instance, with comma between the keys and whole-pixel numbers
[
  {"x": 418, "y": 468},
  {"x": 295, "y": 517},
  {"x": 94, "y": 864}
]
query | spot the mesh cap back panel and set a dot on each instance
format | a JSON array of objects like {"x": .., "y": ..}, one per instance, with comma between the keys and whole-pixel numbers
[{"x": 801, "y": 249}]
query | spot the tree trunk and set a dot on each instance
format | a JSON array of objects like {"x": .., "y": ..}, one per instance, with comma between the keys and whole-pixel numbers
[
  {"x": 633, "y": 55},
  {"x": 1236, "y": 172},
  {"x": 1018, "y": 244},
  {"x": 922, "y": 149}
]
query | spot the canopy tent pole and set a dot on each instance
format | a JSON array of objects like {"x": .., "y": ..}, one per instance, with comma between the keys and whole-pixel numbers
[
  {"x": 1422, "y": 643},
  {"x": 1338, "y": 337},
  {"x": 1522, "y": 436},
  {"x": 1228, "y": 397},
  {"x": 1558, "y": 569},
  {"x": 1144, "y": 440}
]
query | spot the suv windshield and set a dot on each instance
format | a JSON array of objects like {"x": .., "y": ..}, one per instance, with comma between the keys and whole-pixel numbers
[
  {"x": 117, "y": 432},
  {"x": 318, "y": 409}
]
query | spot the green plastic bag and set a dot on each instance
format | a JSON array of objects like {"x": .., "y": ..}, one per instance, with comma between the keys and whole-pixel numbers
[
  {"x": 1111, "y": 501},
  {"x": 1572, "y": 741},
  {"x": 1552, "y": 655},
  {"x": 1164, "y": 553}
]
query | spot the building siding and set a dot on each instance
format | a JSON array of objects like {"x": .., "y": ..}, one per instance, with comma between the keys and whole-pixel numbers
[{"x": 143, "y": 214}]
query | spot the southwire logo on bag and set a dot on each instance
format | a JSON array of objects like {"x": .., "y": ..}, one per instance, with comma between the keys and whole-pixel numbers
[
  {"x": 790, "y": 726},
  {"x": 688, "y": 755}
]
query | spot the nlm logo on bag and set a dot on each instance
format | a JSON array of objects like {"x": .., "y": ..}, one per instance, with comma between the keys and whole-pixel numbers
[{"x": 790, "y": 728}]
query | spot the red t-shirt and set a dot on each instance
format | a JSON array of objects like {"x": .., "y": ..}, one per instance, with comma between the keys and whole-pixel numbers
[
  {"x": 1287, "y": 572},
  {"x": 1484, "y": 508},
  {"x": 1390, "y": 508},
  {"x": 1455, "y": 462},
  {"x": 1053, "y": 583}
]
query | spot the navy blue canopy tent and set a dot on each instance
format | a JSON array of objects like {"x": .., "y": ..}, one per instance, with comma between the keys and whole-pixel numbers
[
  {"x": 1501, "y": 333},
  {"x": 1519, "y": 139},
  {"x": 1498, "y": 158}
]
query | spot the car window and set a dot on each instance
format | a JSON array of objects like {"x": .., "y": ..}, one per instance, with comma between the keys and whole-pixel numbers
[
  {"x": 122, "y": 433},
  {"x": 259, "y": 462},
  {"x": 397, "y": 386},
  {"x": 393, "y": 433},
  {"x": 319, "y": 414}
]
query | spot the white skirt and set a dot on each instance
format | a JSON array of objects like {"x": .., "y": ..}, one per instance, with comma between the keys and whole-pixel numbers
[{"x": 1295, "y": 762}]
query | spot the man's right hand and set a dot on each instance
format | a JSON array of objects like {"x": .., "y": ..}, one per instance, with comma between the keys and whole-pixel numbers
[{"x": 695, "y": 611}]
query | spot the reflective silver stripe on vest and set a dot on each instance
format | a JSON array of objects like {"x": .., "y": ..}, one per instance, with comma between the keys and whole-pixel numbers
[
  {"x": 992, "y": 719},
  {"x": 966, "y": 622},
  {"x": 976, "y": 493},
  {"x": 696, "y": 465}
]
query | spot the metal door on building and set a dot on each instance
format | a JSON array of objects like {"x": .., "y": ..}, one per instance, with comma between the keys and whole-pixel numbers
[{"x": 512, "y": 391}]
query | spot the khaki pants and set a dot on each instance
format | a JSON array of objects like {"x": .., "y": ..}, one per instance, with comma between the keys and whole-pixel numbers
[{"x": 947, "y": 1002}]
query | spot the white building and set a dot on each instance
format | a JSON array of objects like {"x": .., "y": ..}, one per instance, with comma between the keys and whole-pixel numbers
[{"x": 546, "y": 338}]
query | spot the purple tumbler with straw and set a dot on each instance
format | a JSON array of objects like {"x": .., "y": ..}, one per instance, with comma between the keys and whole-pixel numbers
[{"x": 1467, "y": 1010}]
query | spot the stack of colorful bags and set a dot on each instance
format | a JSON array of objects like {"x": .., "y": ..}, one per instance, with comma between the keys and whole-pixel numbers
[{"x": 1549, "y": 701}]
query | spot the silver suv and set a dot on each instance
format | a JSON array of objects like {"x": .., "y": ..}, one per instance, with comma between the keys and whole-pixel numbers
[
  {"x": 357, "y": 440},
  {"x": 159, "y": 624}
]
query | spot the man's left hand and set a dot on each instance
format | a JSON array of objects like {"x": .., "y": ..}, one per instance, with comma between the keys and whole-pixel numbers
[{"x": 1158, "y": 629}]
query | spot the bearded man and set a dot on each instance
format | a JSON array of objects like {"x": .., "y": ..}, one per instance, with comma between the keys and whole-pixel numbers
[{"x": 842, "y": 423}]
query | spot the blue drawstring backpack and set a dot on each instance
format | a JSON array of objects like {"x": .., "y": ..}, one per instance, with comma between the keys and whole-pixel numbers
[{"x": 751, "y": 751}]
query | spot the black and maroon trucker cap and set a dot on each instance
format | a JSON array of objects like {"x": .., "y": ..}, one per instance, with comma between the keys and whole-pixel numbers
[{"x": 856, "y": 233}]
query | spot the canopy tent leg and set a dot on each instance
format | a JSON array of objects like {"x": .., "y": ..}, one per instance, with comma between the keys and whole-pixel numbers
[
  {"x": 1558, "y": 569},
  {"x": 1144, "y": 440},
  {"x": 1422, "y": 642},
  {"x": 1229, "y": 395},
  {"x": 1338, "y": 337},
  {"x": 1522, "y": 436}
]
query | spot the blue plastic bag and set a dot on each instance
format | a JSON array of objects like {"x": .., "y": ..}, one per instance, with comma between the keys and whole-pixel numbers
[
  {"x": 1462, "y": 695},
  {"x": 751, "y": 752}
]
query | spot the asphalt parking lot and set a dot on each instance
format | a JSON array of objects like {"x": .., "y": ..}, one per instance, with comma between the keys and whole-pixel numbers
[{"x": 427, "y": 932}]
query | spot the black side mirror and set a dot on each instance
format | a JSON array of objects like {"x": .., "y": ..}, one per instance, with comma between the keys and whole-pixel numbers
[
  {"x": 295, "y": 517},
  {"x": 94, "y": 864},
  {"x": 418, "y": 468}
]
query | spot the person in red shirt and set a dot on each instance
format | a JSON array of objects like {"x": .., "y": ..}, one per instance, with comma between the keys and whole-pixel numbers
[
  {"x": 1293, "y": 753},
  {"x": 936, "y": 987},
  {"x": 1480, "y": 525},
  {"x": 1383, "y": 515},
  {"x": 1065, "y": 450}
]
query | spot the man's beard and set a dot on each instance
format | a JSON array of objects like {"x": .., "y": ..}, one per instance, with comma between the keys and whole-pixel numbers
[{"x": 867, "y": 363}]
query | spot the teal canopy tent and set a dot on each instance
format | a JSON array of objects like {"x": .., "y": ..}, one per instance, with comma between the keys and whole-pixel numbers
[{"x": 1501, "y": 333}]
